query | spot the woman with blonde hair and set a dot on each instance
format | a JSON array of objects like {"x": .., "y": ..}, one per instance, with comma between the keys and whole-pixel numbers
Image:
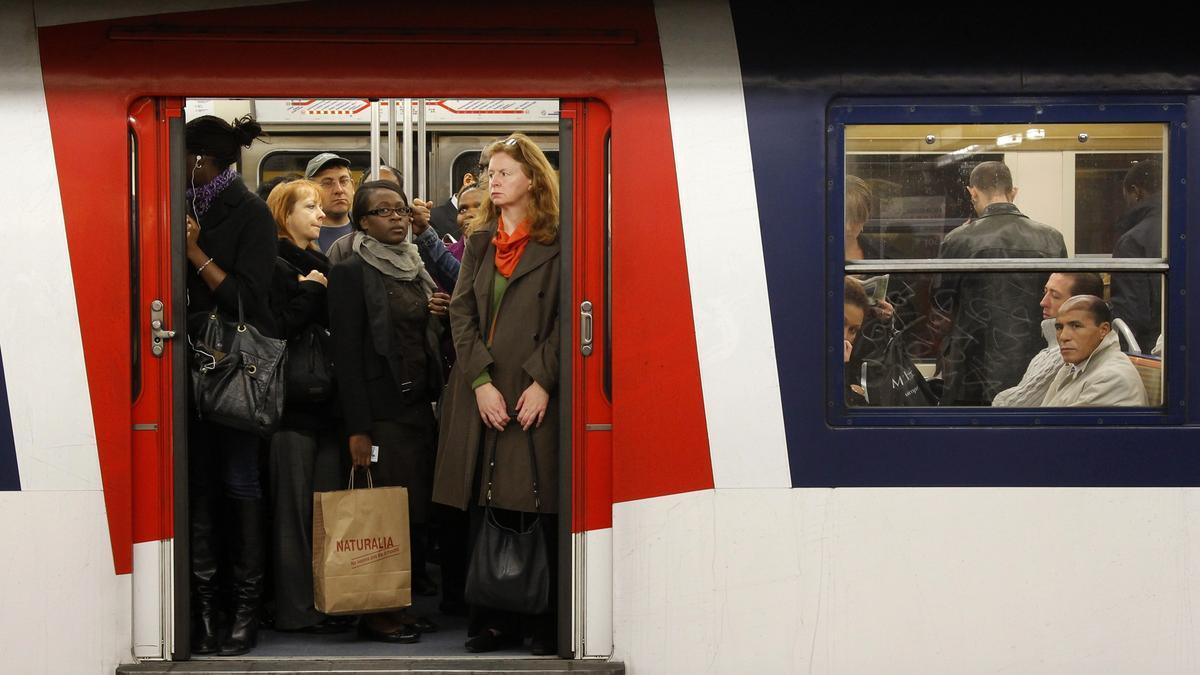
[
  {"x": 504, "y": 384},
  {"x": 305, "y": 454}
]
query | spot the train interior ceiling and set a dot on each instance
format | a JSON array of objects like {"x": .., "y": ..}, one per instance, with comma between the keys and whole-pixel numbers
[
  {"x": 433, "y": 143},
  {"x": 453, "y": 130}
]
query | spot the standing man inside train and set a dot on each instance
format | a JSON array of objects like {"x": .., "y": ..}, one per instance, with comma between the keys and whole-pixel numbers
[
  {"x": 332, "y": 173},
  {"x": 993, "y": 318},
  {"x": 1137, "y": 297}
]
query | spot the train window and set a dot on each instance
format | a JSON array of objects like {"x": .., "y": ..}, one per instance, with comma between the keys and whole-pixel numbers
[
  {"x": 468, "y": 161},
  {"x": 963, "y": 241},
  {"x": 289, "y": 162}
]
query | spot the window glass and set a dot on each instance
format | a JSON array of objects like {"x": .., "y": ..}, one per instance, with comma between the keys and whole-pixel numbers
[
  {"x": 964, "y": 245},
  {"x": 1073, "y": 178}
]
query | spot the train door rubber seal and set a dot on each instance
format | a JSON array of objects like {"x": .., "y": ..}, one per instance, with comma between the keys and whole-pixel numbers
[{"x": 566, "y": 568}]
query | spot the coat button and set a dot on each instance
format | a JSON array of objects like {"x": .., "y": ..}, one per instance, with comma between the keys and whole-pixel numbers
[
  {"x": 541, "y": 294},
  {"x": 535, "y": 337}
]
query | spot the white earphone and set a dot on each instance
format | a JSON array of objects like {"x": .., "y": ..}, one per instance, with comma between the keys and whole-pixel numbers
[{"x": 197, "y": 162}]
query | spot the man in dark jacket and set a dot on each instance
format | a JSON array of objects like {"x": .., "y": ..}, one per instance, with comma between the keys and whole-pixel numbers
[
  {"x": 994, "y": 318},
  {"x": 1137, "y": 298}
]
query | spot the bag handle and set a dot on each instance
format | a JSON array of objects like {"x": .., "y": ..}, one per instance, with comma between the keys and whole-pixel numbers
[
  {"x": 537, "y": 497},
  {"x": 353, "y": 470}
]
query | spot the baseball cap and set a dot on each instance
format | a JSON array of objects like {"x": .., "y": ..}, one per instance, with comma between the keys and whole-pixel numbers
[{"x": 320, "y": 161}]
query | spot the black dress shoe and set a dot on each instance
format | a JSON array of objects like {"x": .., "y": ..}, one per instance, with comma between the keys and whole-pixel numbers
[
  {"x": 406, "y": 634},
  {"x": 487, "y": 641},
  {"x": 423, "y": 624}
]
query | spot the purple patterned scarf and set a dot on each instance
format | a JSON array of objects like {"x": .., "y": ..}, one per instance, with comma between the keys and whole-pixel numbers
[{"x": 203, "y": 196}]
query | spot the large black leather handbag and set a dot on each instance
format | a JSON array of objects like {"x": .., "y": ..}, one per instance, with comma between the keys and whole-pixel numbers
[
  {"x": 309, "y": 366},
  {"x": 509, "y": 568},
  {"x": 237, "y": 372}
]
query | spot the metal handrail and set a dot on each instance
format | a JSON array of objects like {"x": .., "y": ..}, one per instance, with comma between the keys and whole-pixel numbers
[{"x": 1008, "y": 265}]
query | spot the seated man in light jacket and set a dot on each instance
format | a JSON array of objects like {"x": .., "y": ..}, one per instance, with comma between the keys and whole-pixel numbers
[
  {"x": 1032, "y": 388},
  {"x": 1095, "y": 371}
]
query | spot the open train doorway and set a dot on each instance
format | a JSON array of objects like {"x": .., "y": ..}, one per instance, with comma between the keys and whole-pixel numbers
[{"x": 433, "y": 150}]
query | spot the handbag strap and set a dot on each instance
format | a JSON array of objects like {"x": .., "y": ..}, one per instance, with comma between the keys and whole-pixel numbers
[{"x": 537, "y": 497}]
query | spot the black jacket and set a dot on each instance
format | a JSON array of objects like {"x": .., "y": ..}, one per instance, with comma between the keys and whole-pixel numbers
[
  {"x": 995, "y": 317},
  {"x": 369, "y": 368},
  {"x": 296, "y": 305},
  {"x": 239, "y": 234},
  {"x": 1137, "y": 298},
  {"x": 444, "y": 218}
]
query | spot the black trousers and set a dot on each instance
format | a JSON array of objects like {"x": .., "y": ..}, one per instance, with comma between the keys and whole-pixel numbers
[{"x": 300, "y": 463}]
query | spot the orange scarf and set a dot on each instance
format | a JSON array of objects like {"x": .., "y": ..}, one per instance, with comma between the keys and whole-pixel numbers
[{"x": 509, "y": 247}]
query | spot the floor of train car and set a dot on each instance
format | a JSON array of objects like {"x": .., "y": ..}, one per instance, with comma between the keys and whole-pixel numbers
[{"x": 447, "y": 641}]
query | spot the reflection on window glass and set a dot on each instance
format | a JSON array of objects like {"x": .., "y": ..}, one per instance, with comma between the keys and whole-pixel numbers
[
  {"x": 289, "y": 163},
  {"x": 925, "y": 182},
  {"x": 1001, "y": 339}
]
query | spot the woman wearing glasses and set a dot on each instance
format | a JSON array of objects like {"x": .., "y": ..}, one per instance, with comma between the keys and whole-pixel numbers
[
  {"x": 503, "y": 386},
  {"x": 384, "y": 318}
]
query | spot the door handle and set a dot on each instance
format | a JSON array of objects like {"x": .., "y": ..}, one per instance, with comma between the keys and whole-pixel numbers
[
  {"x": 157, "y": 329},
  {"x": 585, "y": 328}
]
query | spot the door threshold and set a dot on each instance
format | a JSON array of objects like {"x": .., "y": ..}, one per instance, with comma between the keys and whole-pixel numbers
[{"x": 429, "y": 665}]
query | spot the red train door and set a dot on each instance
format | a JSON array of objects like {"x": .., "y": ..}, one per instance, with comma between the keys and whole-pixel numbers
[
  {"x": 585, "y": 146},
  {"x": 158, "y": 378}
]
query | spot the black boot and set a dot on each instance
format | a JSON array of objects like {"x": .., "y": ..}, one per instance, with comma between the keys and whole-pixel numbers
[
  {"x": 204, "y": 573},
  {"x": 247, "y": 574}
]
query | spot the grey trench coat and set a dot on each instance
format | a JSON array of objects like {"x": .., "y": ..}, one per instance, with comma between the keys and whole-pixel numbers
[{"x": 525, "y": 348}]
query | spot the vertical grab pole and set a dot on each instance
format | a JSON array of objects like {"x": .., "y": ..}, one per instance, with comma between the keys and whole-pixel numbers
[
  {"x": 393, "y": 148},
  {"x": 407, "y": 169},
  {"x": 373, "y": 172},
  {"x": 422, "y": 151}
]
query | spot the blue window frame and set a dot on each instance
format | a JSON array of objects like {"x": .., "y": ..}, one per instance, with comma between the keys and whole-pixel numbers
[{"x": 1173, "y": 113}]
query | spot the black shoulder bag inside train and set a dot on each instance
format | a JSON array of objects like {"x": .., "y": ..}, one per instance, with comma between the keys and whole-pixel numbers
[
  {"x": 509, "y": 568},
  {"x": 237, "y": 372}
]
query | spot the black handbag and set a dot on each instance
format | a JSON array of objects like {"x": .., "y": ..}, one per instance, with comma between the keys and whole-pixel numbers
[
  {"x": 237, "y": 372},
  {"x": 309, "y": 366},
  {"x": 509, "y": 568},
  {"x": 886, "y": 374}
]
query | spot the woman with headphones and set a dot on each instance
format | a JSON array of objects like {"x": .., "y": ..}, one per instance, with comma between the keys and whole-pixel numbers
[{"x": 231, "y": 254}]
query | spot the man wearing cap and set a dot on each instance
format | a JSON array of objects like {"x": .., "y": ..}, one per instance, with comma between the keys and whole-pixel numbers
[{"x": 332, "y": 174}]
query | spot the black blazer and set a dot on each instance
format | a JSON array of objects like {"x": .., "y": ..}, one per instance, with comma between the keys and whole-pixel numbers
[
  {"x": 296, "y": 305},
  {"x": 239, "y": 234},
  {"x": 369, "y": 368},
  {"x": 444, "y": 218}
]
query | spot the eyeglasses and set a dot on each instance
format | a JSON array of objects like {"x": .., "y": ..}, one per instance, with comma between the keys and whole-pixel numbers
[
  {"x": 385, "y": 211},
  {"x": 344, "y": 182}
]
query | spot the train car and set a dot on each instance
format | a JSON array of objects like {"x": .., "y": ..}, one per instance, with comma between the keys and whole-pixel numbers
[{"x": 730, "y": 510}]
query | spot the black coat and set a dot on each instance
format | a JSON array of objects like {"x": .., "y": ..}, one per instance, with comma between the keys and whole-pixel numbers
[
  {"x": 1137, "y": 298},
  {"x": 239, "y": 234},
  {"x": 369, "y": 368},
  {"x": 444, "y": 218},
  {"x": 296, "y": 305}
]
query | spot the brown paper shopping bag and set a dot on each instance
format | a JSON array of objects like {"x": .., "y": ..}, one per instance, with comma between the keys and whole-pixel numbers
[{"x": 360, "y": 550}]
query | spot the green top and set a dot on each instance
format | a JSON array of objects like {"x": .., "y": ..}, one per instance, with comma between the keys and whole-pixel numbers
[{"x": 499, "y": 285}]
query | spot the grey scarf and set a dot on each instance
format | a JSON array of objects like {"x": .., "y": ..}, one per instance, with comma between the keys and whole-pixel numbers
[{"x": 399, "y": 261}]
